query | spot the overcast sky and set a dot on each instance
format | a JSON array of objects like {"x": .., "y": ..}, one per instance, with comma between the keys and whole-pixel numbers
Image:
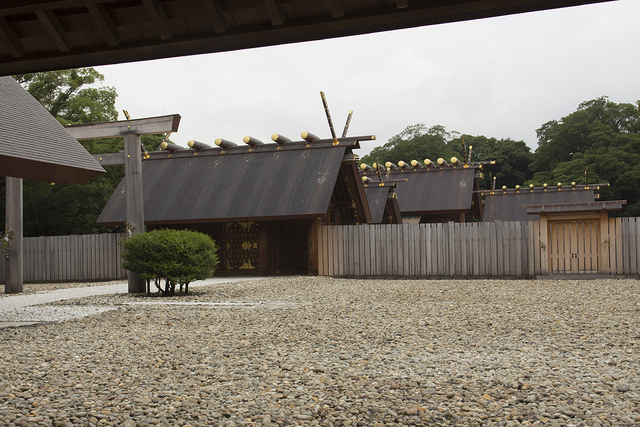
[{"x": 500, "y": 77}]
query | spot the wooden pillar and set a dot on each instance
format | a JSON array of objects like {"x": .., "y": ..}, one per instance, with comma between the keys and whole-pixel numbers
[
  {"x": 265, "y": 265},
  {"x": 135, "y": 207},
  {"x": 544, "y": 245},
  {"x": 13, "y": 222},
  {"x": 605, "y": 243},
  {"x": 131, "y": 130},
  {"x": 312, "y": 240}
]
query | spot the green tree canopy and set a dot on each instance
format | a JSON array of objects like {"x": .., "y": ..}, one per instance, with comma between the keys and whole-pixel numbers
[
  {"x": 600, "y": 137},
  {"x": 415, "y": 142},
  {"x": 69, "y": 96},
  {"x": 418, "y": 142}
]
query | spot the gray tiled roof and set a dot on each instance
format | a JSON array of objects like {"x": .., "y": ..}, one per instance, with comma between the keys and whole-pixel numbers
[{"x": 33, "y": 145}]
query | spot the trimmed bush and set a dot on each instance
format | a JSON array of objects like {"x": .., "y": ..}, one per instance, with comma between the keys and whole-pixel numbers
[{"x": 172, "y": 257}]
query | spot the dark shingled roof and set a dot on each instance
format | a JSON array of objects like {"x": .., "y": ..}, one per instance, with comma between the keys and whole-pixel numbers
[
  {"x": 433, "y": 190},
  {"x": 260, "y": 183},
  {"x": 34, "y": 145},
  {"x": 377, "y": 198},
  {"x": 383, "y": 200},
  {"x": 508, "y": 205}
]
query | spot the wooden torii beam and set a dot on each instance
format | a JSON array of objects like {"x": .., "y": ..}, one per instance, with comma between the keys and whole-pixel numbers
[{"x": 131, "y": 130}]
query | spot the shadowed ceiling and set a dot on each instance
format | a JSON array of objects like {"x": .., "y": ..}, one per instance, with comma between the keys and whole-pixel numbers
[{"x": 38, "y": 35}]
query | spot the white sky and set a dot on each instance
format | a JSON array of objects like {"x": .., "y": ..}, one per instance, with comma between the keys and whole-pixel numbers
[{"x": 500, "y": 77}]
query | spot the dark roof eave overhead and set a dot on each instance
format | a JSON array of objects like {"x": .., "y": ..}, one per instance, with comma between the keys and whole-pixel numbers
[
  {"x": 311, "y": 217},
  {"x": 54, "y": 34}
]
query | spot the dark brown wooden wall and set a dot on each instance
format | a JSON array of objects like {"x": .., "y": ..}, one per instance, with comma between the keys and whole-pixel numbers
[{"x": 266, "y": 248}]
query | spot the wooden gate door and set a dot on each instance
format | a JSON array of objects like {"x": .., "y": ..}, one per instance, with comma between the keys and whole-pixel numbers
[
  {"x": 241, "y": 246},
  {"x": 573, "y": 246}
]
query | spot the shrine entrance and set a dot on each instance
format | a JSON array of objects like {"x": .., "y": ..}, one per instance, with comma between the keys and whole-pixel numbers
[
  {"x": 574, "y": 237},
  {"x": 574, "y": 246}
]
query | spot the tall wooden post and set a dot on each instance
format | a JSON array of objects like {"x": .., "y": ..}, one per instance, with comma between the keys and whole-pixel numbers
[
  {"x": 131, "y": 130},
  {"x": 135, "y": 208},
  {"x": 13, "y": 222}
]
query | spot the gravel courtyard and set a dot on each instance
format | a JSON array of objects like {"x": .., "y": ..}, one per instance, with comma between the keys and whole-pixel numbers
[{"x": 323, "y": 351}]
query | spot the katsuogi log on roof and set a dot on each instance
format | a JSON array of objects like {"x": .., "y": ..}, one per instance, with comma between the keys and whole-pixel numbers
[{"x": 35, "y": 145}]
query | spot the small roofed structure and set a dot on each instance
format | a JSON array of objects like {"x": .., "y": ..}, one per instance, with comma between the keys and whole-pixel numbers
[
  {"x": 577, "y": 236},
  {"x": 508, "y": 204},
  {"x": 434, "y": 191},
  {"x": 35, "y": 145},
  {"x": 260, "y": 201},
  {"x": 383, "y": 201}
]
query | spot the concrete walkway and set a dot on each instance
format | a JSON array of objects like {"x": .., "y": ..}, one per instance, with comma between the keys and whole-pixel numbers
[{"x": 31, "y": 309}]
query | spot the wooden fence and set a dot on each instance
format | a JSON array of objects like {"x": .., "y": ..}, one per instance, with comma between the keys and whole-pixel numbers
[
  {"x": 452, "y": 249},
  {"x": 461, "y": 249},
  {"x": 91, "y": 257}
]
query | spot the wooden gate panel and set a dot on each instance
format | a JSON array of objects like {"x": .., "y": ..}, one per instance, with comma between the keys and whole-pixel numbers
[{"x": 573, "y": 246}]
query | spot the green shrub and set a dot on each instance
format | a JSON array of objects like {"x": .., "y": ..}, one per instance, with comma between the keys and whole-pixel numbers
[{"x": 175, "y": 257}]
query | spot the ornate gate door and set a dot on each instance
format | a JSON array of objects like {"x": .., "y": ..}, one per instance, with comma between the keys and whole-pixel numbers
[
  {"x": 574, "y": 246},
  {"x": 241, "y": 246}
]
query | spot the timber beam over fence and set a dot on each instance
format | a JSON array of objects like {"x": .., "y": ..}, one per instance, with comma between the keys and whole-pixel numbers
[
  {"x": 131, "y": 130},
  {"x": 148, "y": 126}
]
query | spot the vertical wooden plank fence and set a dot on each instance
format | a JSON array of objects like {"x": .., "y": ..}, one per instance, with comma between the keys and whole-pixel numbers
[
  {"x": 451, "y": 249},
  {"x": 462, "y": 249},
  {"x": 91, "y": 257}
]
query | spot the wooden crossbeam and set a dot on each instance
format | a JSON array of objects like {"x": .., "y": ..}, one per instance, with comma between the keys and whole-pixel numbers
[
  {"x": 402, "y": 4},
  {"x": 214, "y": 10},
  {"x": 107, "y": 159},
  {"x": 337, "y": 8},
  {"x": 8, "y": 38},
  {"x": 159, "y": 18},
  {"x": 149, "y": 126},
  {"x": 275, "y": 11},
  {"x": 104, "y": 22},
  {"x": 54, "y": 29}
]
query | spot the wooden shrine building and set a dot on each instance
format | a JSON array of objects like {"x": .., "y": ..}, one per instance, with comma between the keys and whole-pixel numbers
[
  {"x": 260, "y": 202},
  {"x": 573, "y": 227},
  {"x": 433, "y": 191},
  {"x": 34, "y": 146},
  {"x": 508, "y": 204}
]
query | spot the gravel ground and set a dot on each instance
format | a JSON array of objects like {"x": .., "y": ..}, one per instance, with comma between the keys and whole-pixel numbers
[
  {"x": 32, "y": 288},
  {"x": 322, "y": 351}
]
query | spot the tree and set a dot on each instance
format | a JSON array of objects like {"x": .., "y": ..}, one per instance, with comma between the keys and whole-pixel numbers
[
  {"x": 601, "y": 136},
  {"x": 419, "y": 142},
  {"x": 172, "y": 257},
  {"x": 64, "y": 93},
  {"x": 415, "y": 142},
  {"x": 511, "y": 158}
]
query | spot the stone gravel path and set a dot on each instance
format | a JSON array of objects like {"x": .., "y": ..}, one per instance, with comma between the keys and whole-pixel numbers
[{"x": 335, "y": 352}]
